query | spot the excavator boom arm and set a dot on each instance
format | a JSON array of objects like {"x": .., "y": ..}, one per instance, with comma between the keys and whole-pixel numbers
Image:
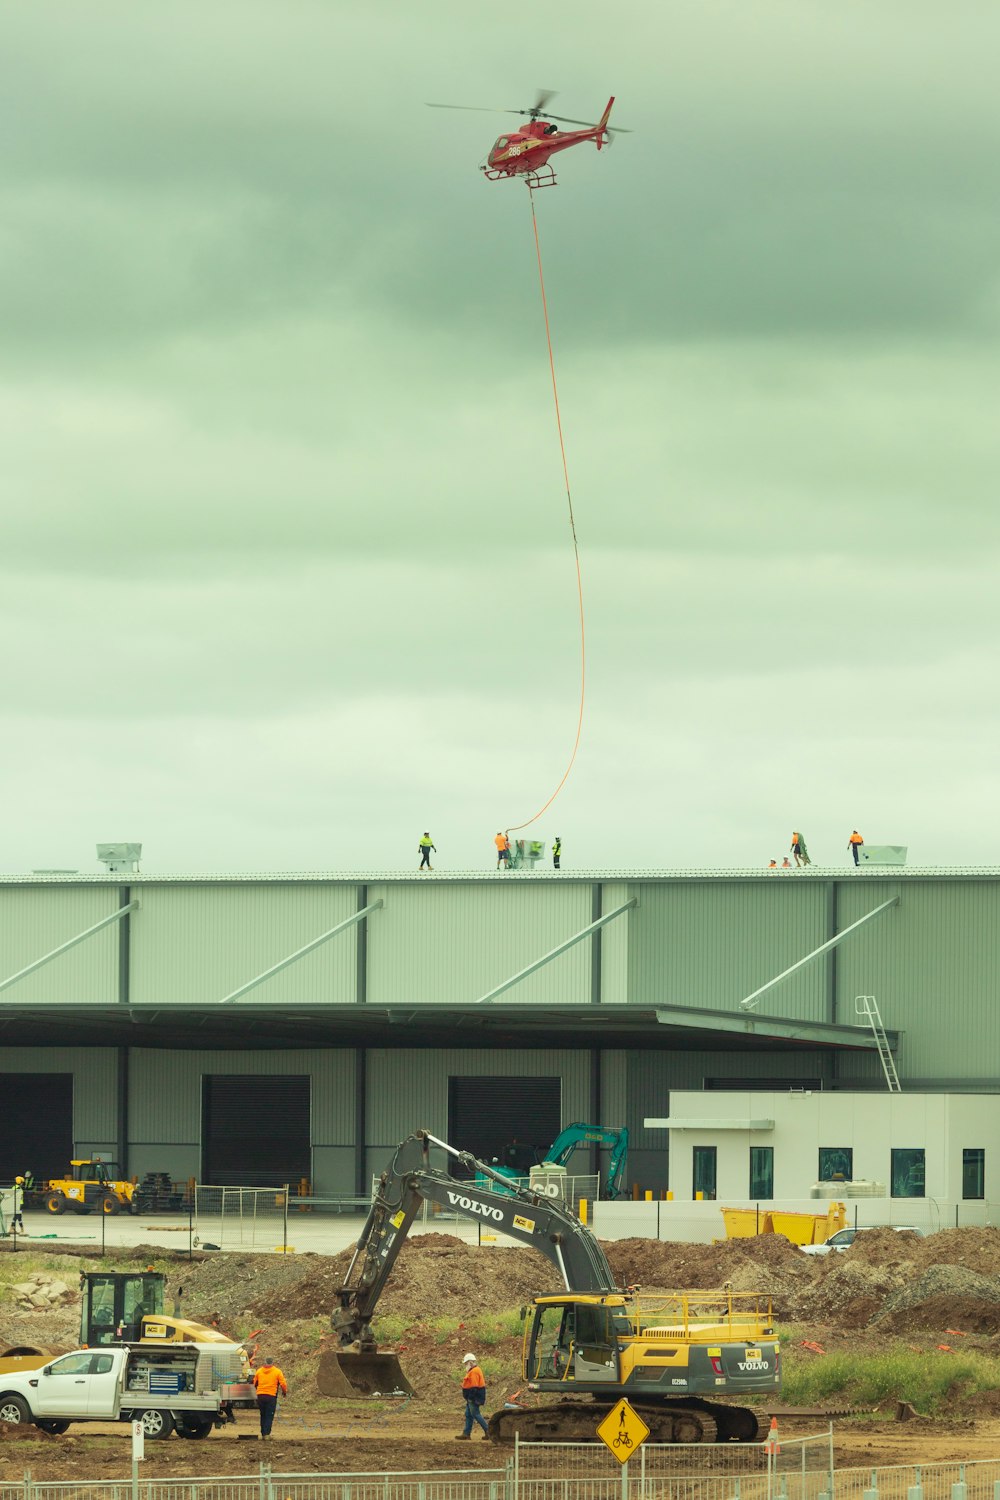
[{"x": 408, "y": 1182}]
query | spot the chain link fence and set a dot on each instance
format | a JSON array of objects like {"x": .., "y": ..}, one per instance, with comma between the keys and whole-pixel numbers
[{"x": 229, "y": 1218}]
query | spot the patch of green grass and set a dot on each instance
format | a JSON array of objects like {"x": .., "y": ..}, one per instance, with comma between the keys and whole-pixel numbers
[
  {"x": 443, "y": 1328},
  {"x": 929, "y": 1379},
  {"x": 493, "y": 1328},
  {"x": 387, "y": 1329}
]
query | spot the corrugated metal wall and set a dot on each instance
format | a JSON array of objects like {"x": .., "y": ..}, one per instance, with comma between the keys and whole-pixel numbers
[
  {"x": 94, "y": 1086},
  {"x": 35, "y": 920},
  {"x": 710, "y": 943},
  {"x": 165, "y": 1090},
  {"x": 453, "y": 943},
  {"x": 933, "y": 964},
  {"x": 199, "y": 943},
  {"x": 408, "y": 1090}
]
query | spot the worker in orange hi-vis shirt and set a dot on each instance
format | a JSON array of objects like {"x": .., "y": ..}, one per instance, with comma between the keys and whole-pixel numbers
[
  {"x": 268, "y": 1380},
  {"x": 854, "y": 844},
  {"x": 503, "y": 850},
  {"x": 474, "y": 1391}
]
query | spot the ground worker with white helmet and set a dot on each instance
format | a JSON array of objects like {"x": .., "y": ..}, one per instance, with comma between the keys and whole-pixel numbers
[{"x": 474, "y": 1391}]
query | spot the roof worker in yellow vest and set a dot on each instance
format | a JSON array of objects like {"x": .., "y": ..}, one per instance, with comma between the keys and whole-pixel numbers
[
  {"x": 424, "y": 848},
  {"x": 556, "y": 852}
]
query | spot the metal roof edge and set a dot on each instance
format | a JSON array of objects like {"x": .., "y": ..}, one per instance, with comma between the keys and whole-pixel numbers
[{"x": 451, "y": 877}]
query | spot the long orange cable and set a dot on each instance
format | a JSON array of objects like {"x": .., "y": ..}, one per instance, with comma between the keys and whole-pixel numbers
[{"x": 572, "y": 526}]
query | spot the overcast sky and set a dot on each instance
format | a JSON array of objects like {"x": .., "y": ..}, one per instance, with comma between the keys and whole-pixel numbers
[{"x": 286, "y": 574}]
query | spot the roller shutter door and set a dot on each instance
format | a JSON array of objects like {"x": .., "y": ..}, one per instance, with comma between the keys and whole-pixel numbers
[
  {"x": 255, "y": 1130},
  {"x": 37, "y": 1134},
  {"x": 486, "y": 1115}
]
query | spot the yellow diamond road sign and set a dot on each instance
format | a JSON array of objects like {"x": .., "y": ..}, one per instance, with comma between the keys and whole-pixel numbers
[{"x": 623, "y": 1431}]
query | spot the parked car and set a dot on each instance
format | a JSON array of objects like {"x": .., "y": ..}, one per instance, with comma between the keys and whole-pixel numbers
[{"x": 844, "y": 1238}]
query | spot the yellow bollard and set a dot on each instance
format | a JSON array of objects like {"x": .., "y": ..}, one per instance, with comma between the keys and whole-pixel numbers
[
  {"x": 699, "y": 1197},
  {"x": 670, "y": 1195},
  {"x": 649, "y": 1195},
  {"x": 583, "y": 1211}
]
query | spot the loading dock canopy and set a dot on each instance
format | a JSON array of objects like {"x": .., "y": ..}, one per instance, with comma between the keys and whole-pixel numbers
[{"x": 258, "y": 1025}]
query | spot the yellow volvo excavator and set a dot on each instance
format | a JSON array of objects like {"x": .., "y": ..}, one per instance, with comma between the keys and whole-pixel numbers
[{"x": 672, "y": 1356}]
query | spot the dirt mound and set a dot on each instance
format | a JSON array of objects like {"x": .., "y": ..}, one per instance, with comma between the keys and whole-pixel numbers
[
  {"x": 768, "y": 1264},
  {"x": 436, "y": 1275},
  {"x": 964, "y": 1314},
  {"x": 976, "y": 1249},
  {"x": 849, "y": 1291},
  {"x": 14, "y": 1430},
  {"x": 943, "y": 1297}
]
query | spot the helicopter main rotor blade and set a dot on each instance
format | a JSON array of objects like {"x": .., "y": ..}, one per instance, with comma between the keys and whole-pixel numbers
[
  {"x": 565, "y": 120},
  {"x": 588, "y": 124},
  {"x": 481, "y": 109}
]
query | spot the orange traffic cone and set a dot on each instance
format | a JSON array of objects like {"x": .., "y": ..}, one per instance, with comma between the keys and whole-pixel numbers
[{"x": 773, "y": 1444}]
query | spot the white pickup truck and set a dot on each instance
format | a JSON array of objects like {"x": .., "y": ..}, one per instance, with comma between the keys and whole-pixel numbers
[{"x": 173, "y": 1386}]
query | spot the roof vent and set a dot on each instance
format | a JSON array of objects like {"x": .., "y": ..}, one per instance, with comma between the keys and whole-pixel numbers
[{"x": 118, "y": 857}]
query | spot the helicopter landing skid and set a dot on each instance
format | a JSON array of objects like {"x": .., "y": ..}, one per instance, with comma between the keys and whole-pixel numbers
[{"x": 543, "y": 178}]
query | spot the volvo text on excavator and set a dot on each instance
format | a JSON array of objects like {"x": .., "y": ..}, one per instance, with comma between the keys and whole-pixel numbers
[{"x": 672, "y": 1355}]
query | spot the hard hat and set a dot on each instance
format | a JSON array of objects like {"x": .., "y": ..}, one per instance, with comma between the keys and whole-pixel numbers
[
  {"x": 470, "y": 1359},
  {"x": 18, "y": 1179}
]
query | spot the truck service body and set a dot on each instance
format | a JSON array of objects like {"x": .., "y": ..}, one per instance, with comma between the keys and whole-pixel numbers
[{"x": 166, "y": 1387}]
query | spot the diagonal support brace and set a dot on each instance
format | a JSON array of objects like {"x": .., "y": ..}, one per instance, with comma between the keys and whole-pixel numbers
[
  {"x": 115, "y": 916},
  {"x": 750, "y": 1002},
  {"x": 358, "y": 916},
  {"x": 577, "y": 937}
]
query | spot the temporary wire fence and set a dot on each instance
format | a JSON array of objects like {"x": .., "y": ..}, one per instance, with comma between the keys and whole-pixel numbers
[
  {"x": 675, "y": 1471},
  {"x": 444, "y": 1484},
  {"x": 229, "y": 1218},
  {"x": 657, "y": 1472}
]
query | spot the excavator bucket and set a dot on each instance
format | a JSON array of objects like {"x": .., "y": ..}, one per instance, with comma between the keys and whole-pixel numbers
[{"x": 342, "y": 1373}]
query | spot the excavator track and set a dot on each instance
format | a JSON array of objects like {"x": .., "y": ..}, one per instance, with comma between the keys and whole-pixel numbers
[{"x": 577, "y": 1422}]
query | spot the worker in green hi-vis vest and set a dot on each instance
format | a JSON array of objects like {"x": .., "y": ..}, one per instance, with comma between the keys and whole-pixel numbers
[
  {"x": 556, "y": 852},
  {"x": 424, "y": 847}
]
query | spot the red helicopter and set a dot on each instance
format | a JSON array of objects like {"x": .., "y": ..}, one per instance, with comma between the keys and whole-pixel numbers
[{"x": 526, "y": 151}]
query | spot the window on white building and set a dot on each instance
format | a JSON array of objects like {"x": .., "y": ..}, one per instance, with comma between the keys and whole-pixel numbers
[
  {"x": 704, "y": 1165},
  {"x": 762, "y": 1172},
  {"x": 907, "y": 1172},
  {"x": 974, "y": 1172},
  {"x": 836, "y": 1163}
]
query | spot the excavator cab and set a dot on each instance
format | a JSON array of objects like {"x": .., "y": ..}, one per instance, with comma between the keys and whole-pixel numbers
[
  {"x": 571, "y": 1341},
  {"x": 114, "y": 1303}
]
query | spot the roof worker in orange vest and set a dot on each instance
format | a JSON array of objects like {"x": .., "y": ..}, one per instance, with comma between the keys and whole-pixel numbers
[
  {"x": 798, "y": 850},
  {"x": 474, "y": 1391},
  {"x": 269, "y": 1380},
  {"x": 503, "y": 850},
  {"x": 854, "y": 844}
]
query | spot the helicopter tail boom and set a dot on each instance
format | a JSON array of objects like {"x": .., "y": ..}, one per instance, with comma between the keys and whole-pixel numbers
[{"x": 602, "y": 125}]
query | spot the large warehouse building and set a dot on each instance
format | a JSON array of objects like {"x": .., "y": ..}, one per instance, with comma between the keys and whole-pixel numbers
[{"x": 261, "y": 1029}]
